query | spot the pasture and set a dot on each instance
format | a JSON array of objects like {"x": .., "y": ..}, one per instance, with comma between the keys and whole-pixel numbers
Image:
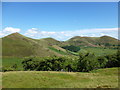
[
  {"x": 10, "y": 61},
  {"x": 99, "y": 51},
  {"x": 101, "y": 78}
]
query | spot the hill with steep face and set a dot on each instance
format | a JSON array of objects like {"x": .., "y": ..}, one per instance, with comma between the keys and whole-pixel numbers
[{"x": 18, "y": 45}]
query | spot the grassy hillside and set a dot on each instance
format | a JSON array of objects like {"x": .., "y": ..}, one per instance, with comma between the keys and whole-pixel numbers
[
  {"x": 92, "y": 41},
  {"x": 102, "y": 78},
  {"x": 50, "y": 41},
  {"x": 107, "y": 40},
  {"x": 82, "y": 41},
  {"x": 19, "y": 46},
  {"x": 16, "y": 46},
  {"x": 8, "y": 62},
  {"x": 98, "y": 51}
]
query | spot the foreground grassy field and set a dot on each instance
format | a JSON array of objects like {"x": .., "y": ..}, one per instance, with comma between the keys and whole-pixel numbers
[{"x": 102, "y": 78}]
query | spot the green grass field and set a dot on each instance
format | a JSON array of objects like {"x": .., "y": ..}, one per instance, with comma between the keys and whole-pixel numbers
[
  {"x": 99, "y": 51},
  {"x": 58, "y": 51},
  {"x": 9, "y": 61},
  {"x": 102, "y": 78}
]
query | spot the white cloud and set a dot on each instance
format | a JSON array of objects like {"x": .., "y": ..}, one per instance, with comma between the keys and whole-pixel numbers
[
  {"x": 90, "y": 33},
  {"x": 63, "y": 35},
  {"x": 9, "y": 30},
  {"x": 36, "y": 33},
  {"x": 31, "y": 32},
  {"x": 46, "y": 33},
  {"x": 107, "y": 29},
  {"x": 1, "y": 34}
]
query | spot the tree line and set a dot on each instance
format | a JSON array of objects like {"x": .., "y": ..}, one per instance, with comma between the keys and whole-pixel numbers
[{"x": 84, "y": 63}]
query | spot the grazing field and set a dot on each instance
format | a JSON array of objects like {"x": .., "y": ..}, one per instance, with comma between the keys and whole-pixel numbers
[
  {"x": 10, "y": 61},
  {"x": 58, "y": 51},
  {"x": 98, "y": 51},
  {"x": 101, "y": 78}
]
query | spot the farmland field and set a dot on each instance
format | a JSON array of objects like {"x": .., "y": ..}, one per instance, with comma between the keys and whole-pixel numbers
[{"x": 101, "y": 78}]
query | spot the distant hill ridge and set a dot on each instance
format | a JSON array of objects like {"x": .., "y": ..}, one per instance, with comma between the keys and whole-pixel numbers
[
  {"x": 92, "y": 41},
  {"x": 49, "y": 38},
  {"x": 16, "y": 44}
]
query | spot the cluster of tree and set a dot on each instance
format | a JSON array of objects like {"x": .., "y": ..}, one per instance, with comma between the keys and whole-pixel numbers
[
  {"x": 72, "y": 48},
  {"x": 48, "y": 64},
  {"x": 85, "y": 63},
  {"x": 113, "y": 60}
]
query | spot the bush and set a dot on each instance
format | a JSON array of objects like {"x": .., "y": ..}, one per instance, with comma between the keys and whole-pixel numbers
[
  {"x": 5, "y": 69},
  {"x": 72, "y": 48},
  {"x": 113, "y": 60},
  {"x": 102, "y": 61},
  {"x": 70, "y": 65},
  {"x": 51, "y": 64},
  {"x": 30, "y": 63},
  {"x": 87, "y": 62},
  {"x": 14, "y": 66},
  {"x": 48, "y": 64}
]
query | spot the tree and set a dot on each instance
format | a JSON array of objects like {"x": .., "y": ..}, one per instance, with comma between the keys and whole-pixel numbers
[
  {"x": 87, "y": 62},
  {"x": 113, "y": 60},
  {"x": 102, "y": 61},
  {"x": 14, "y": 66},
  {"x": 72, "y": 48}
]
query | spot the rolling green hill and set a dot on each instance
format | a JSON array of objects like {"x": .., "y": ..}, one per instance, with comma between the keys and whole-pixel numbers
[
  {"x": 107, "y": 41},
  {"x": 17, "y": 45},
  {"x": 93, "y": 41}
]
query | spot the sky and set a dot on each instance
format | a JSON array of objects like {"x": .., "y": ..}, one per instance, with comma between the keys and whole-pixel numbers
[{"x": 60, "y": 20}]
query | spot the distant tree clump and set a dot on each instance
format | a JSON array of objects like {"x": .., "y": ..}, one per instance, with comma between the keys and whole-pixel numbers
[
  {"x": 87, "y": 62},
  {"x": 72, "y": 48},
  {"x": 113, "y": 60},
  {"x": 102, "y": 61}
]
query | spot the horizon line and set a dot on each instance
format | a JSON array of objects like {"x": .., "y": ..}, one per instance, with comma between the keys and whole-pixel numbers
[{"x": 56, "y": 39}]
